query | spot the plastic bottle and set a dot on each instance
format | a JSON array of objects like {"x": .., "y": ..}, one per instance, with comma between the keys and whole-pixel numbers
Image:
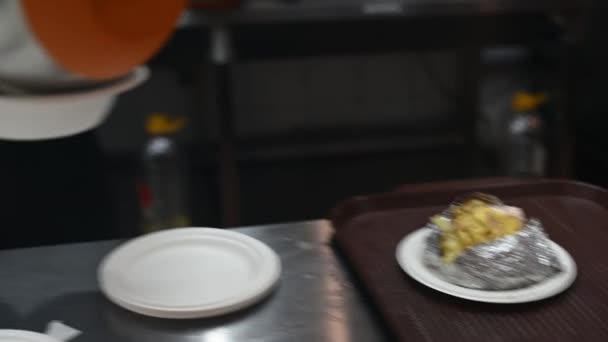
[
  {"x": 525, "y": 152},
  {"x": 162, "y": 192}
]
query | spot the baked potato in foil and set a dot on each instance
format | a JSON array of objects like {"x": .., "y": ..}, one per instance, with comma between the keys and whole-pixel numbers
[{"x": 480, "y": 243}]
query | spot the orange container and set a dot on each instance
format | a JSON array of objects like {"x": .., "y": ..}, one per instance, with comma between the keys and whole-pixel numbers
[{"x": 101, "y": 39}]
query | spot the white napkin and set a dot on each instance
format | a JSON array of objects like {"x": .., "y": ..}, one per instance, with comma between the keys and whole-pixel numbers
[{"x": 61, "y": 332}]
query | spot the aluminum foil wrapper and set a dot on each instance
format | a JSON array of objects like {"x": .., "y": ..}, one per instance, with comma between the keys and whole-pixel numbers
[{"x": 511, "y": 262}]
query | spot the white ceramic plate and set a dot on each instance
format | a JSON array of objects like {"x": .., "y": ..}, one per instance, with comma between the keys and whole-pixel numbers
[
  {"x": 24, "y": 336},
  {"x": 409, "y": 256},
  {"x": 189, "y": 273},
  {"x": 35, "y": 117}
]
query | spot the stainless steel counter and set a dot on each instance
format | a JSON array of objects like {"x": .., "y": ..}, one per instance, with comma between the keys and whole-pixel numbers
[{"x": 315, "y": 301}]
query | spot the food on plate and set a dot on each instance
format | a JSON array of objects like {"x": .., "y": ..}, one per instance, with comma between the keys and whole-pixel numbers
[
  {"x": 481, "y": 243},
  {"x": 475, "y": 222}
]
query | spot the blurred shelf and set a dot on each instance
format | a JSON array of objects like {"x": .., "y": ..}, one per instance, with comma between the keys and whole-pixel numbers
[
  {"x": 307, "y": 188},
  {"x": 378, "y": 34},
  {"x": 324, "y": 143},
  {"x": 290, "y": 11},
  {"x": 263, "y": 29},
  {"x": 389, "y": 35}
]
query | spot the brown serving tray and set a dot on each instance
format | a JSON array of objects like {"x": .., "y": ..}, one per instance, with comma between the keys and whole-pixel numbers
[{"x": 575, "y": 216}]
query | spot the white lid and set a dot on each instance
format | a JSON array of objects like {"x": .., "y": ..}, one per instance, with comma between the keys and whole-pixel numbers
[{"x": 35, "y": 117}]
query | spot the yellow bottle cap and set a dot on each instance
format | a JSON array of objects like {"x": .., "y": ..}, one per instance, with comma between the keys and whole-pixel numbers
[
  {"x": 525, "y": 102},
  {"x": 160, "y": 123}
]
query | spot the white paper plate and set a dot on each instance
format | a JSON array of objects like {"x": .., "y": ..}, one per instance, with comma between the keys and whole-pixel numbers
[
  {"x": 24, "y": 336},
  {"x": 189, "y": 273},
  {"x": 409, "y": 256}
]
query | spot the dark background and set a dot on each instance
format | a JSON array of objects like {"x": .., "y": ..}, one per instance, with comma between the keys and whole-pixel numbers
[{"x": 322, "y": 109}]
